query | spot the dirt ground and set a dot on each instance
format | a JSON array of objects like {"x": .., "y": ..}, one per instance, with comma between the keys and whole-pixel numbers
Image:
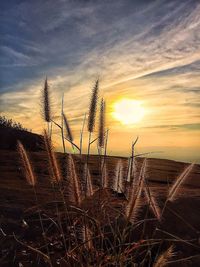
[{"x": 19, "y": 217}]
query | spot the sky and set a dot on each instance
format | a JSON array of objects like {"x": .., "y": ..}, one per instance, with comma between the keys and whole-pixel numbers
[{"x": 144, "y": 50}]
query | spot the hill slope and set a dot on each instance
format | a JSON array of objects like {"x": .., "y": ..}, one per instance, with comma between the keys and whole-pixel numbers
[
  {"x": 9, "y": 137},
  {"x": 17, "y": 201}
]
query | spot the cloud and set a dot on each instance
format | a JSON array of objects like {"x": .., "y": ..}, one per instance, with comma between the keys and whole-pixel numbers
[
  {"x": 132, "y": 38},
  {"x": 146, "y": 50},
  {"x": 13, "y": 58},
  {"x": 189, "y": 127}
]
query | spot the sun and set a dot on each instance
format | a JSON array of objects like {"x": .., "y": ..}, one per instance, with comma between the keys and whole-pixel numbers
[{"x": 128, "y": 111}]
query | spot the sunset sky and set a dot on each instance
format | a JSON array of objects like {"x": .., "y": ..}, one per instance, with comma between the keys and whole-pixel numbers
[{"x": 146, "y": 51}]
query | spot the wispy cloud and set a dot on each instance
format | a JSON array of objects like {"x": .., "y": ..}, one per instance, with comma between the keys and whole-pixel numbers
[{"x": 148, "y": 50}]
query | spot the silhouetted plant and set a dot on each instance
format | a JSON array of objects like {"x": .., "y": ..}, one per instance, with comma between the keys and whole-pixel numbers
[{"x": 9, "y": 123}]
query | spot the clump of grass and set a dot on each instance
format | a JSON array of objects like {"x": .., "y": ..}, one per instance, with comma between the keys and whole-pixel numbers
[
  {"x": 107, "y": 234},
  {"x": 31, "y": 179}
]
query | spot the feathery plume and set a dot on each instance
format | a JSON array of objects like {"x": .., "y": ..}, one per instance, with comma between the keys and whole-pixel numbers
[
  {"x": 104, "y": 176},
  {"x": 93, "y": 107},
  {"x": 142, "y": 173},
  {"x": 101, "y": 133},
  {"x": 28, "y": 169},
  {"x": 118, "y": 181},
  {"x": 74, "y": 184},
  {"x": 162, "y": 260},
  {"x": 134, "y": 173},
  {"x": 132, "y": 170},
  {"x": 152, "y": 202},
  {"x": 87, "y": 238},
  {"x": 54, "y": 167},
  {"x": 133, "y": 206},
  {"x": 178, "y": 182},
  {"x": 134, "y": 202},
  {"x": 89, "y": 189},
  {"x": 151, "y": 199},
  {"x": 129, "y": 171},
  {"x": 46, "y": 102},
  {"x": 67, "y": 128}
]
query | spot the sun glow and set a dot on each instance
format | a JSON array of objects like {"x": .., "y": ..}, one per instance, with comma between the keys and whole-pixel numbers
[{"x": 128, "y": 111}]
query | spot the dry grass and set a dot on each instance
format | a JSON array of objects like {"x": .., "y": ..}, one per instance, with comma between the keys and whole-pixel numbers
[
  {"x": 85, "y": 228},
  {"x": 27, "y": 165},
  {"x": 53, "y": 163},
  {"x": 67, "y": 129},
  {"x": 46, "y": 111},
  {"x": 164, "y": 257},
  {"x": 93, "y": 107},
  {"x": 173, "y": 193},
  {"x": 101, "y": 139}
]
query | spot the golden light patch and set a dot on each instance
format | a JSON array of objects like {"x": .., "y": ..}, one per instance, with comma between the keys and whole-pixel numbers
[{"x": 128, "y": 111}]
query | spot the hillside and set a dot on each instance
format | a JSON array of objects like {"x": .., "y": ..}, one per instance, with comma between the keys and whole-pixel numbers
[
  {"x": 160, "y": 173},
  {"x": 9, "y": 137},
  {"x": 17, "y": 203}
]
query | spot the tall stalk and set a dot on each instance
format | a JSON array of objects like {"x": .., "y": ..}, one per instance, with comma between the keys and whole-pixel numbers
[
  {"x": 62, "y": 130},
  {"x": 91, "y": 120},
  {"x": 81, "y": 134}
]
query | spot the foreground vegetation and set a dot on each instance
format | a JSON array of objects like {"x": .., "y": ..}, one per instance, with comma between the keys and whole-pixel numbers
[{"x": 88, "y": 228}]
